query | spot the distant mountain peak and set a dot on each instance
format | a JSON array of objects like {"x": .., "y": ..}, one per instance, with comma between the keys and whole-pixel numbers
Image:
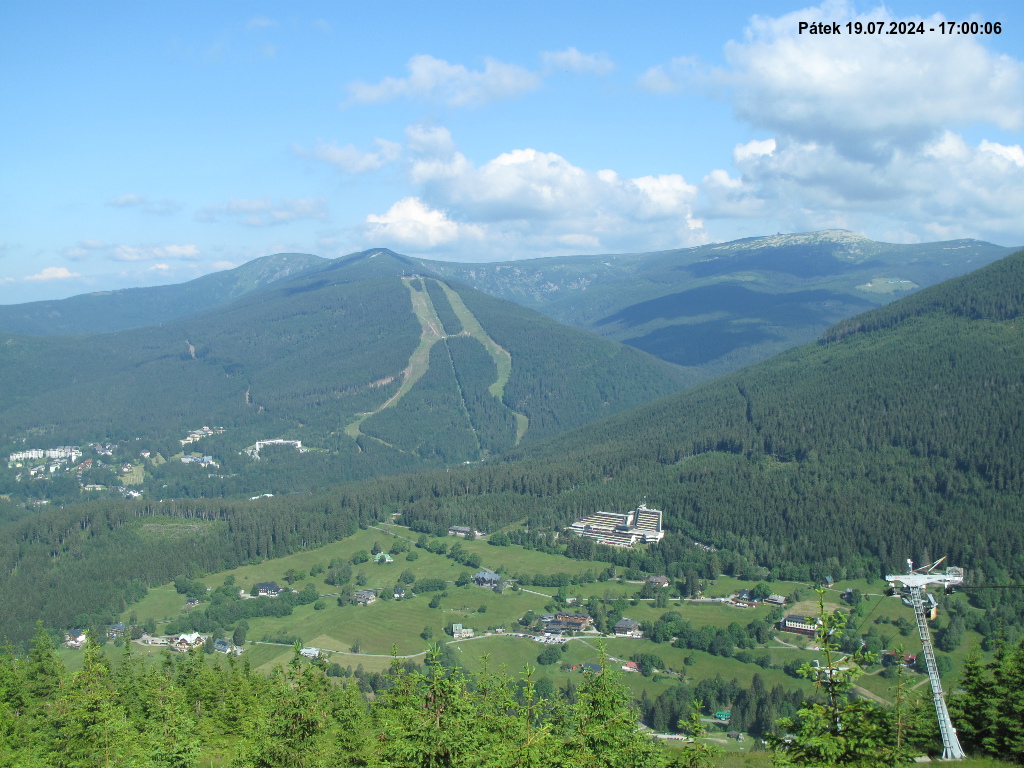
[{"x": 838, "y": 236}]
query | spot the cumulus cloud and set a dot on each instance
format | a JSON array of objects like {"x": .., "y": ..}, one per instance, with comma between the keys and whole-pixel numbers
[
  {"x": 528, "y": 200},
  {"x": 188, "y": 252},
  {"x": 53, "y": 273},
  {"x": 946, "y": 188},
  {"x": 868, "y": 94},
  {"x": 263, "y": 212},
  {"x": 453, "y": 84},
  {"x": 350, "y": 160},
  {"x": 157, "y": 207},
  {"x": 866, "y": 131},
  {"x": 410, "y": 220},
  {"x": 571, "y": 60}
]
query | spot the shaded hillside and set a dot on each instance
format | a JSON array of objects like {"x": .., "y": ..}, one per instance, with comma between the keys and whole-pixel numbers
[
  {"x": 716, "y": 308},
  {"x": 840, "y": 458},
  {"x": 905, "y": 441},
  {"x": 108, "y": 311},
  {"x": 353, "y": 360}
]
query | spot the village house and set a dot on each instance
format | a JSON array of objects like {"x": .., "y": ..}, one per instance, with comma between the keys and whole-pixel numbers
[
  {"x": 268, "y": 589},
  {"x": 775, "y": 600},
  {"x": 220, "y": 645},
  {"x": 461, "y": 633},
  {"x": 463, "y": 531},
  {"x": 658, "y": 581},
  {"x": 627, "y": 628},
  {"x": 75, "y": 638},
  {"x": 116, "y": 630},
  {"x": 366, "y": 596},
  {"x": 186, "y": 642},
  {"x": 557, "y": 623},
  {"x": 399, "y": 593},
  {"x": 630, "y": 666},
  {"x": 486, "y": 579},
  {"x": 310, "y": 653},
  {"x": 801, "y": 625},
  {"x": 382, "y": 557}
]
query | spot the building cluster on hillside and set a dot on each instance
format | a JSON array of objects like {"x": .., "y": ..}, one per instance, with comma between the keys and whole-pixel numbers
[
  {"x": 63, "y": 452},
  {"x": 622, "y": 529},
  {"x": 199, "y": 434},
  {"x": 253, "y": 451},
  {"x": 202, "y": 461}
]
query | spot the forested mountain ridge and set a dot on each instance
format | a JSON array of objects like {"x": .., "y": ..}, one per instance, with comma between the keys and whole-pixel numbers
[
  {"x": 715, "y": 308},
  {"x": 372, "y": 368},
  {"x": 109, "y": 311},
  {"x": 840, "y": 458}
]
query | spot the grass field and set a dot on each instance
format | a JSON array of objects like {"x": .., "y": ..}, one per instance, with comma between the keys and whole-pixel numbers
[{"x": 389, "y": 625}]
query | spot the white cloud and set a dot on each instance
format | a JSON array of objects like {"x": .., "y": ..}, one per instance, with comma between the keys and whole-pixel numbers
[
  {"x": 868, "y": 94},
  {"x": 261, "y": 22},
  {"x": 411, "y": 221},
  {"x": 453, "y": 84},
  {"x": 350, "y": 160},
  {"x": 53, "y": 273},
  {"x": 158, "y": 207},
  {"x": 83, "y": 249},
  {"x": 571, "y": 60},
  {"x": 945, "y": 188},
  {"x": 680, "y": 73},
  {"x": 263, "y": 212},
  {"x": 155, "y": 252},
  {"x": 527, "y": 201},
  {"x": 159, "y": 268}
]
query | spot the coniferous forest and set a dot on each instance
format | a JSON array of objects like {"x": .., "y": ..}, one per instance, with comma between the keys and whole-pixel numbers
[{"x": 897, "y": 435}]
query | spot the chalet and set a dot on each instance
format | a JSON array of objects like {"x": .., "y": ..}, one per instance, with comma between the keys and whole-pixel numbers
[
  {"x": 220, "y": 645},
  {"x": 630, "y": 666},
  {"x": 658, "y": 581},
  {"x": 627, "y": 628},
  {"x": 268, "y": 589},
  {"x": 185, "y": 642},
  {"x": 486, "y": 579},
  {"x": 556, "y": 624},
  {"x": 366, "y": 596},
  {"x": 75, "y": 638},
  {"x": 460, "y": 633},
  {"x": 775, "y": 600},
  {"x": 310, "y": 653},
  {"x": 383, "y": 558},
  {"x": 801, "y": 625},
  {"x": 116, "y": 630},
  {"x": 191, "y": 602},
  {"x": 399, "y": 593}
]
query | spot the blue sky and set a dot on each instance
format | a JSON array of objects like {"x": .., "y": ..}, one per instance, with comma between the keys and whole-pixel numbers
[{"x": 149, "y": 143}]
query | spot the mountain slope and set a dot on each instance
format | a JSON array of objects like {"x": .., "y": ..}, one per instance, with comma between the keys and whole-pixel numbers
[
  {"x": 900, "y": 434},
  {"x": 109, "y": 311},
  {"x": 716, "y": 308},
  {"x": 336, "y": 358}
]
